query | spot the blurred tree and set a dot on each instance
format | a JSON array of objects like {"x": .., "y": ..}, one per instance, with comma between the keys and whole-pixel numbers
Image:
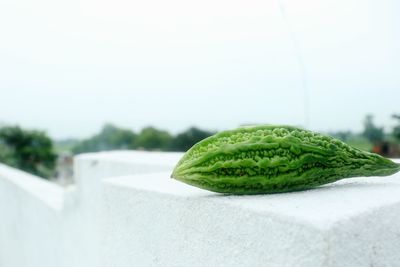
[
  {"x": 185, "y": 140},
  {"x": 6, "y": 155},
  {"x": 31, "y": 151},
  {"x": 396, "y": 128},
  {"x": 371, "y": 132},
  {"x": 342, "y": 135},
  {"x": 151, "y": 138},
  {"x": 354, "y": 139},
  {"x": 110, "y": 138}
]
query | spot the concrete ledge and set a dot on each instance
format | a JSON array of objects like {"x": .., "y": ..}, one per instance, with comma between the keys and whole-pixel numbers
[
  {"x": 148, "y": 219},
  {"x": 47, "y": 192},
  {"x": 116, "y": 163},
  {"x": 152, "y": 220}
]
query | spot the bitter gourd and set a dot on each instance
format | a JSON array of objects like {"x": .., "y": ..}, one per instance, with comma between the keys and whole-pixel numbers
[{"x": 274, "y": 159}]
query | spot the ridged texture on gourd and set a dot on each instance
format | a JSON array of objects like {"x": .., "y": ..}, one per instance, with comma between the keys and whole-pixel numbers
[{"x": 273, "y": 159}]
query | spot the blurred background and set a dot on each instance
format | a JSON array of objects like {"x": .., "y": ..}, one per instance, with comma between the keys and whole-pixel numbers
[{"x": 84, "y": 76}]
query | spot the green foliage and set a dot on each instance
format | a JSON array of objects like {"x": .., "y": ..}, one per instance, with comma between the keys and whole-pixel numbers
[
  {"x": 185, "y": 140},
  {"x": 65, "y": 146},
  {"x": 360, "y": 142},
  {"x": 153, "y": 139},
  {"x": 150, "y": 138},
  {"x": 6, "y": 155},
  {"x": 353, "y": 139},
  {"x": 396, "y": 129},
  {"x": 31, "y": 151},
  {"x": 371, "y": 132},
  {"x": 342, "y": 135},
  {"x": 110, "y": 138}
]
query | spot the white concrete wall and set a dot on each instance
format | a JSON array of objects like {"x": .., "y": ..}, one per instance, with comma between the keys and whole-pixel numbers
[
  {"x": 30, "y": 220},
  {"x": 125, "y": 211},
  {"x": 90, "y": 169},
  {"x": 158, "y": 221},
  {"x": 42, "y": 224}
]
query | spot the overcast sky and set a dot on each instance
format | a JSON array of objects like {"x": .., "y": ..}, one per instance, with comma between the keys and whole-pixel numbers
[{"x": 67, "y": 67}]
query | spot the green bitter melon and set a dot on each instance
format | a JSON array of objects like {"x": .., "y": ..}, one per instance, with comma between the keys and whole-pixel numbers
[{"x": 274, "y": 159}]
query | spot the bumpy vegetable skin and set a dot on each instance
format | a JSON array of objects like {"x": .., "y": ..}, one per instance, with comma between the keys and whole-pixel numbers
[{"x": 274, "y": 159}]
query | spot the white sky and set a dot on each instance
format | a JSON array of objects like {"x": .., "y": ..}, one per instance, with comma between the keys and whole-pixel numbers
[{"x": 69, "y": 66}]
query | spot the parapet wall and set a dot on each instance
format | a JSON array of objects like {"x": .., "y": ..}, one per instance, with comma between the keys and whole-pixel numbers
[{"x": 126, "y": 211}]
